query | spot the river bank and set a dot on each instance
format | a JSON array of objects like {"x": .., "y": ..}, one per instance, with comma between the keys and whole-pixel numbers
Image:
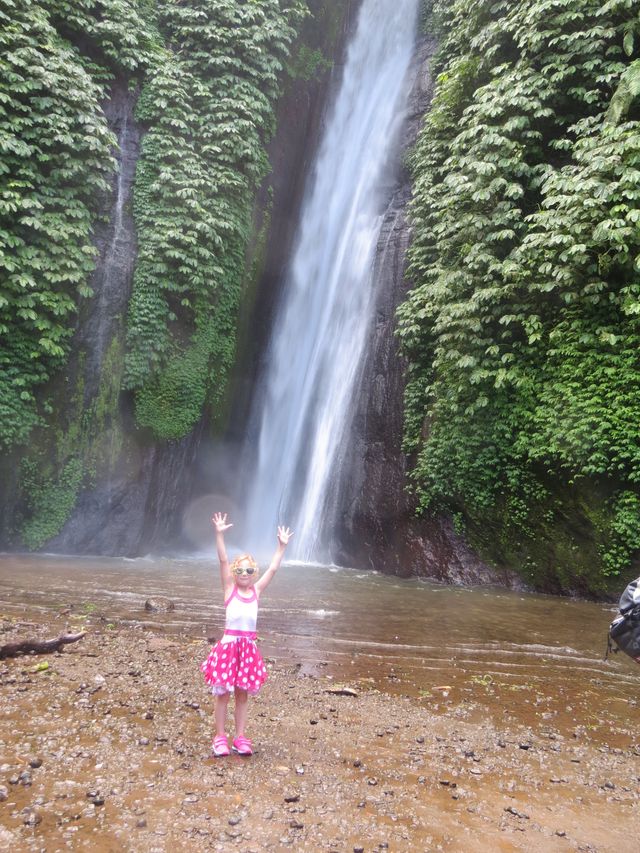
[{"x": 106, "y": 748}]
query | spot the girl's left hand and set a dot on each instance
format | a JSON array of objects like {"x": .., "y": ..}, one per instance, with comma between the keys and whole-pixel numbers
[{"x": 284, "y": 534}]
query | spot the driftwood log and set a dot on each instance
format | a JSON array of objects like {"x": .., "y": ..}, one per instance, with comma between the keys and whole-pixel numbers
[{"x": 40, "y": 647}]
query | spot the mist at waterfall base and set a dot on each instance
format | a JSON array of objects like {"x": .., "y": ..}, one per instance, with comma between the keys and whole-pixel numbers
[{"x": 291, "y": 462}]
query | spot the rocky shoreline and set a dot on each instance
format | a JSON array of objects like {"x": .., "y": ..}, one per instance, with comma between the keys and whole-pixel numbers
[{"x": 105, "y": 747}]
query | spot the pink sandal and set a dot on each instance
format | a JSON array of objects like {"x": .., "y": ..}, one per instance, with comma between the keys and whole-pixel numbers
[
  {"x": 242, "y": 745},
  {"x": 220, "y": 746}
]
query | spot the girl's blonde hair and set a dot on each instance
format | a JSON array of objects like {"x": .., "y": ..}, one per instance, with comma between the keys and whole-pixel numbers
[{"x": 244, "y": 558}]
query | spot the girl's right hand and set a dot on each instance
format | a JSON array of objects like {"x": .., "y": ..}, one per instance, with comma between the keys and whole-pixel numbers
[{"x": 220, "y": 522}]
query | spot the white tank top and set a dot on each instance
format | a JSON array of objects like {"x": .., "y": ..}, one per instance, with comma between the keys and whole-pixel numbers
[{"x": 242, "y": 614}]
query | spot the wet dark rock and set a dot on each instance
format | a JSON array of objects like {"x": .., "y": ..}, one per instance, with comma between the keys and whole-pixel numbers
[
  {"x": 35, "y": 762},
  {"x": 159, "y": 604},
  {"x": 292, "y": 797}
]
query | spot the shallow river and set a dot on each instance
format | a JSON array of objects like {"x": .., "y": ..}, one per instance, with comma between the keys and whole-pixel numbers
[{"x": 527, "y": 656}]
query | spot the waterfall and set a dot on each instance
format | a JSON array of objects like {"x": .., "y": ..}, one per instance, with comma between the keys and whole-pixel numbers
[{"x": 302, "y": 409}]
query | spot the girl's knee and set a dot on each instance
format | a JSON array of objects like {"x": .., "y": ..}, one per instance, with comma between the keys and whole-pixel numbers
[{"x": 241, "y": 695}]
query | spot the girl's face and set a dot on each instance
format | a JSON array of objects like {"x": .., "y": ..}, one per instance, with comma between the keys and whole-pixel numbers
[{"x": 245, "y": 575}]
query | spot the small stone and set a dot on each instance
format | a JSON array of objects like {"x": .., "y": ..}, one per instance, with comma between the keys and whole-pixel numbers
[
  {"x": 295, "y": 824},
  {"x": 4, "y": 793},
  {"x": 561, "y": 833},
  {"x": 357, "y": 763},
  {"x": 267, "y": 815},
  {"x": 420, "y": 739},
  {"x": 143, "y": 741},
  {"x": 358, "y": 849},
  {"x": 515, "y": 812},
  {"x": 372, "y": 781},
  {"x": 141, "y": 823},
  {"x": 524, "y": 745},
  {"x": 234, "y": 820},
  {"x": 291, "y": 797},
  {"x": 31, "y": 818},
  {"x": 25, "y": 778},
  {"x": 148, "y": 715},
  {"x": 159, "y": 604},
  {"x": 35, "y": 762}
]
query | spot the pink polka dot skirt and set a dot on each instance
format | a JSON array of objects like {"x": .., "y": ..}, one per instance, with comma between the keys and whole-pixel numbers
[{"x": 234, "y": 664}]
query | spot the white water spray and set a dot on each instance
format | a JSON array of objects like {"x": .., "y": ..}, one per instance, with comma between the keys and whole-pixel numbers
[{"x": 321, "y": 326}]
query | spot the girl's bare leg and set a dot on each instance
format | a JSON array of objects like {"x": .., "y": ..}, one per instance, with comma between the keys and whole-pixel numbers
[
  {"x": 240, "y": 711},
  {"x": 222, "y": 703}
]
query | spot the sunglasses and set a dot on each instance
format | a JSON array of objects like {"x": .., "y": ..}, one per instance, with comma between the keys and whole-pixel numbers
[{"x": 244, "y": 570}]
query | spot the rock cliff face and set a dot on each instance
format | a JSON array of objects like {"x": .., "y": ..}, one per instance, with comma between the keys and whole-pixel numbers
[
  {"x": 134, "y": 488},
  {"x": 139, "y": 485},
  {"x": 377, "y": 525}
]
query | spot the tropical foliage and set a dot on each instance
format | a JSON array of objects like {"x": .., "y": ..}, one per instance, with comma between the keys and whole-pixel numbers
[
  {"x": 522, "y": 328},
  {"x": 208, "y": 107},
  {"x": 209, "y": 70}
]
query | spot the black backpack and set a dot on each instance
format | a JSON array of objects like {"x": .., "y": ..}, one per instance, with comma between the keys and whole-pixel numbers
[{"x": 624, "y": 631}]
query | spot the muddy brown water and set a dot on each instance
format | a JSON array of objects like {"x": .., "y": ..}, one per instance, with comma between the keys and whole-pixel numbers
[{"x": 540, "y": 657}]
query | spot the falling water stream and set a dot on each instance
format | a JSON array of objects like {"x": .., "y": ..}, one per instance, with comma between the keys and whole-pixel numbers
[{"x": 302, "y": 413}]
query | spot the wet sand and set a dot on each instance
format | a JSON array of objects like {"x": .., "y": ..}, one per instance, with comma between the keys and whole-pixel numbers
[{"x": 107, "y": 749}]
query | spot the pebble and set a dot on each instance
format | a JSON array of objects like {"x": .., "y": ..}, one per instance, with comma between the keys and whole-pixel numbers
[
  {"x": 234, "y": 820},
  {"x": 31, "y": 817},
  {"x": 515, "y": 812},
  {"x": 35, "y": 762},
  {"x": 292, "y": 797},
  {"x": 141, "y": 823},
  {"x": 295, "y": 824},
  {"x": 4, "y": 793}
]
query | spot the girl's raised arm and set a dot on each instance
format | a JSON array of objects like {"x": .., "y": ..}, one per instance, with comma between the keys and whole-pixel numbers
[
  {"x": 220, "y": 523},
  {"x": 284, "y": 534}
]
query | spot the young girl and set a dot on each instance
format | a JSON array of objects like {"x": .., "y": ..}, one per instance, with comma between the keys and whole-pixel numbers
[{"x": 235, "y": 662}]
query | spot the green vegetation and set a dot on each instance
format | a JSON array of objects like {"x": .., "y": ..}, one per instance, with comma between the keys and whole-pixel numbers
[
  {"x": 522, "y": 329},
  {"x": 209, "y": 72},
  {"x": 208, "y": 108}
]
